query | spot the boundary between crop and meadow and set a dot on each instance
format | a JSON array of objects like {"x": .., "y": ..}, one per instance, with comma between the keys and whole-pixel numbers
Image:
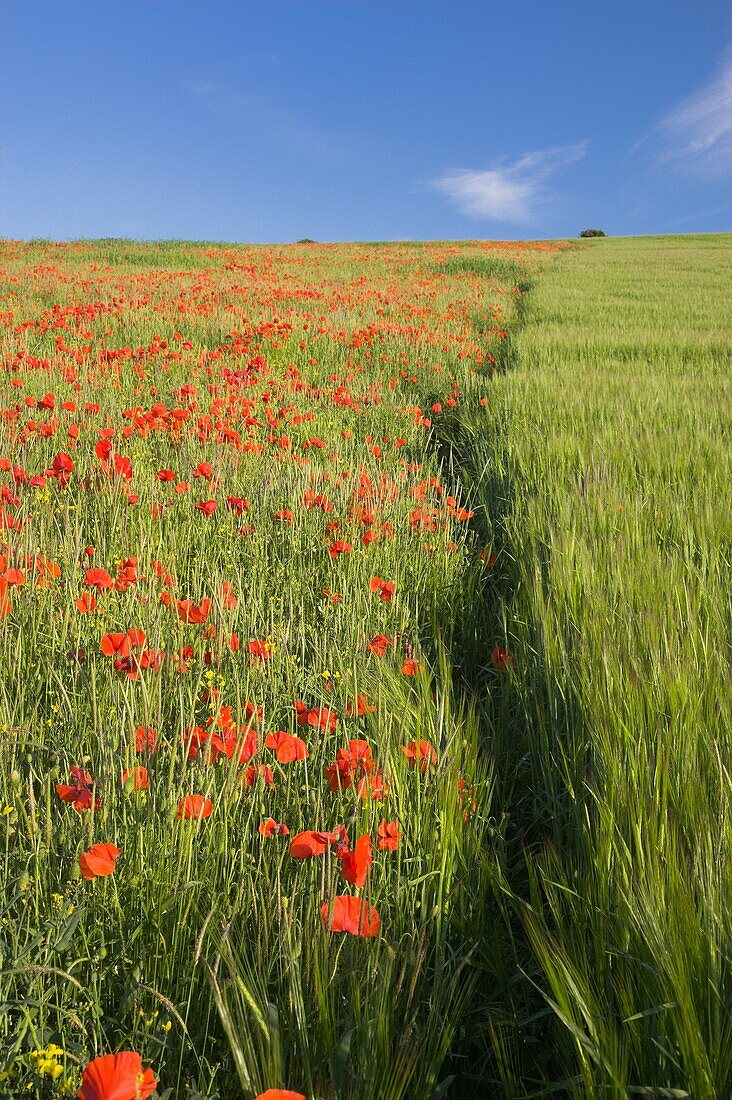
[
  {"x": 599, "y": 474},
  {"x": 472, "y": 447}
]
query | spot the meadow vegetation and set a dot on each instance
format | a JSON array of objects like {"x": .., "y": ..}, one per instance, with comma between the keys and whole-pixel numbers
[{"x": 364, "y": 684}]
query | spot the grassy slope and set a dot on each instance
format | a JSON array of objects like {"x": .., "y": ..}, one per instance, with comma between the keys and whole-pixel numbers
[{"x": 607, "y": 468}]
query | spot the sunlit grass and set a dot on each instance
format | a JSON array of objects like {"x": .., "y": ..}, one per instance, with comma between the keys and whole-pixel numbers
[
  {"x": 309, "y": 380},
  {"x": 607, "y": 457},
  {"x": 542, "y": 436}
]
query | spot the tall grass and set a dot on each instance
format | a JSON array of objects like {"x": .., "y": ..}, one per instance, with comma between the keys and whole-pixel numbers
[
  {"x": 606, "y": 456},
  {"x": 555, "y": 918},
  {"x": 205, "y": 950}
]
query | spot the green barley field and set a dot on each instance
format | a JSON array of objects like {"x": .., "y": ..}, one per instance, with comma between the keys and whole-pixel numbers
[{"x": 365, "y": 681}]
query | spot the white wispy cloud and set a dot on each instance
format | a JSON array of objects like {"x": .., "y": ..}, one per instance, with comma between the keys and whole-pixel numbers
[
  {"x": 510, "y": 192},
  {"x": 698, "y": 133}
]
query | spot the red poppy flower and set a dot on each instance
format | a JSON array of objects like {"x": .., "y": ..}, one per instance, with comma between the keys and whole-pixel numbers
[
  {"x": 466, "y": 798},
  {"x": 332, "y": 597},
  {"x": 285, "y": 516},
  {"x": 385, "y": 589},
  {"x": 117, "y": 1077},
  {"x": 116, "y": 645},
  {"x": 62, "y": 464},
  {"x": 269, "y": 827},
  {"x": 81, "y": 798},
  {"x": 126, "y": 574},
  {"x": 501, "y": 659},
  {"x": 352, "y": 915},
  {"x": 355, "y": 864},
  {"x": 46, "y": 568},
  {"x": 139, "y": 777},
  {"x": 6, "y": 604},
  {"x": 338, "y": 776},
  {"x": 389, "y": 836},
  {"x": 86, "y": 603},
  {"x": 79, "y": 791},
  {"x": 189, "y": 612},
  {"x": 361, "y": 706},
  {"x": 252, "y": 712},
  {"x": 412, "y": 667},
  {"x": 311, "y": 843},
  {"x": 194, "y": 807},
  {"x": 228, "y": 596},
  {"x": 262, "y": 771},
  {"x": 181, "y": 660},
  {"x": 14, "y": 577},
  {"x": 420, "y": 752},
  {"x": 98, "y": 861},
  {"x": 260, "y": 650},
  {"x": 371, "y": 786},
  {"x": 236, "y": 741},
  {"x": 379, "y": 645},
  {"x": 340, "y": 547},
  {"x": 195, "y": 738},
  {"x": 208, "y": 507},
  {"x": 151, "y": 658},
  {"x": 123, "y": 467},
  {"x": 321, "y": 718},
  {"x": 146, "y": 739},
  {"x": 488, "y": 558},
  {"x": 311, "y": 499},
  {"x": 80, "y": 778},
  {"x": 98, "y": 578},
  {"x": 287, "y": 747},
  {"x": 351, "y": 764},
  {"x": 280, "y": 1094}
]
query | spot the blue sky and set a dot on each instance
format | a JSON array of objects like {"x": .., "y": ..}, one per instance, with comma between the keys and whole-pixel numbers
[{"x": 408, "y": 119}]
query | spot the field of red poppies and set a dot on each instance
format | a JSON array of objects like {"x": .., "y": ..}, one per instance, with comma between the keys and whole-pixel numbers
[{"x": 246, "y": 813}]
